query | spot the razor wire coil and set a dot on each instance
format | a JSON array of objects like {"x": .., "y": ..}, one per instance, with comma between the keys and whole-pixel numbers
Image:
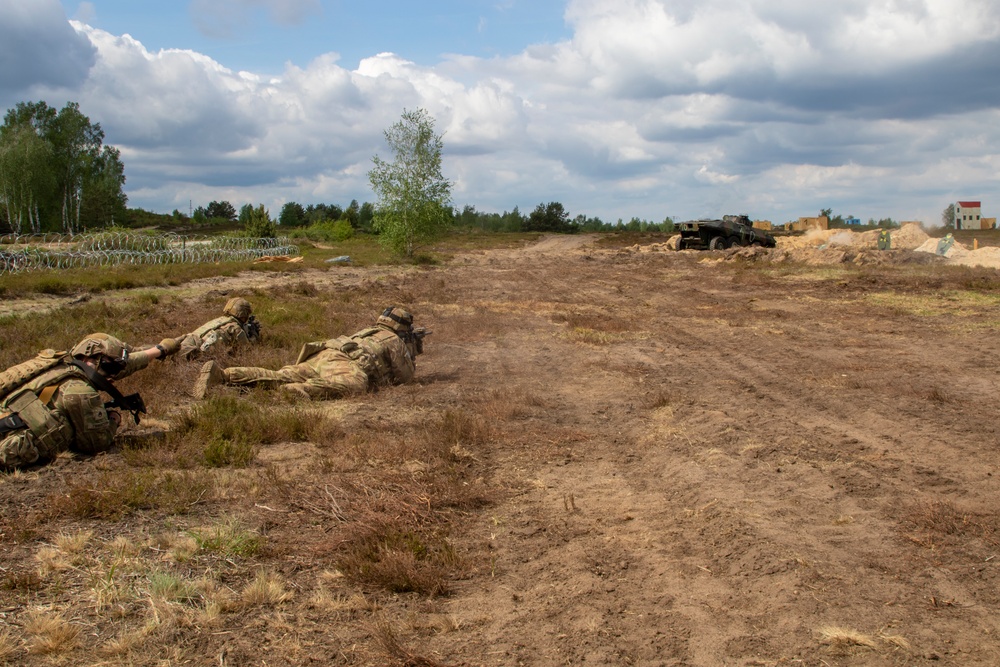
[{"x": 21, "y": 253}]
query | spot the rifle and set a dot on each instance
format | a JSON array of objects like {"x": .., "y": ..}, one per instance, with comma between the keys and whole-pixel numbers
[
  {"x": 253, "y": 328},
  {"x": 132, "y": 403},
  {"x": 416, "y": 336}
]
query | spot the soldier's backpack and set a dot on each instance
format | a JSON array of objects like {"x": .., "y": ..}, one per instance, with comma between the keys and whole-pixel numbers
[
  {"x": 23, "y": 412},
  {"x": 17, "y": 376}
]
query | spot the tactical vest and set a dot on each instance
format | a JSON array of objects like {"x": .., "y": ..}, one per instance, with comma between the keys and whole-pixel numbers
[
  {"x": 370, "y": 356},
  {"x": 368, "y": 360},
  {"x": 217, "y": 323},
  {"x": 27, "y": 389}
]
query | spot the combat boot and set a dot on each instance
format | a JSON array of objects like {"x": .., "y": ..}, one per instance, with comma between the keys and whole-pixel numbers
[{"x": 212, "y": 374}]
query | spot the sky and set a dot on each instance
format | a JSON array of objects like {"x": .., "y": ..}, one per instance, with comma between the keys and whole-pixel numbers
[{"x": 615, "y": 108}]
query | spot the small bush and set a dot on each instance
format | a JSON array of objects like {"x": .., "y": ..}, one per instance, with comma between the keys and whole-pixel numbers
[{"x": 400, "y": 562}]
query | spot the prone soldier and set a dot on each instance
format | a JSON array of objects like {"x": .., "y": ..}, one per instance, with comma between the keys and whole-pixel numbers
[
  {"x": 53, "y": 403},
  {"x": 236, "y": 325},
  {"x": 373, "y": 357}
]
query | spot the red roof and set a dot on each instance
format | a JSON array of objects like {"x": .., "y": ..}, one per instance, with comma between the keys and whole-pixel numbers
[{"x": 969, "y": 204}]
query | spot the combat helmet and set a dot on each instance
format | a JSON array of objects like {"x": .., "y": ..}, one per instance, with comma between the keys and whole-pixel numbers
[
  {"x": 113, "y": 352},
  {"x": 395, "y": 319},
  {"x": 238, "y": 308}
]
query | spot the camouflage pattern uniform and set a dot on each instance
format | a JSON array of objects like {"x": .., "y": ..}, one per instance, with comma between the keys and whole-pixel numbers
[
  {"x": 344, "y": 366},
  {"x": 226, "y": 331},
  {"x": 63, "y": 411}
]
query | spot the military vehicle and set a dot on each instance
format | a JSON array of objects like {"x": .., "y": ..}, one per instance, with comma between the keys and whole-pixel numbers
[{"x": 730, "y": 232}]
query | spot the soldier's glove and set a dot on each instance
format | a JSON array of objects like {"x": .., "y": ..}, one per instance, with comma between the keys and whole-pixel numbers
[{"x": 169, "y": 346}]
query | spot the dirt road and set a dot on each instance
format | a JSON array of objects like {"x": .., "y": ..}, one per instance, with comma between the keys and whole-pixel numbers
[
  {"x": 730, "y": 467},
  {"x": 700, "y": 462}
]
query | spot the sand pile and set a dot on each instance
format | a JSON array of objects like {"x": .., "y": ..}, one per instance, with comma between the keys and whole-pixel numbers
[
  {"x": 669, "y": 245},
  {"x": 907, "y": 237},
  {"x": 988, "y": 257}
]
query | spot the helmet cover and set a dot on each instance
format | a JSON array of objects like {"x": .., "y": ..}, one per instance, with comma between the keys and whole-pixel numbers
[
  {"x": 395, "y": 319},
  {"x": 113, "y": 352},
  {"x": 238, "y": 308}
]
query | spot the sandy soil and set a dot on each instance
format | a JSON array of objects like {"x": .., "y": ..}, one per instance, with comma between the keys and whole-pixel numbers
[{"x": 722, "y": 465}]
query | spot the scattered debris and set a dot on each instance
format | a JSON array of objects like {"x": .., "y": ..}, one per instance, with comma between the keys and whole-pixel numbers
[{"x": 278, "y": 258}]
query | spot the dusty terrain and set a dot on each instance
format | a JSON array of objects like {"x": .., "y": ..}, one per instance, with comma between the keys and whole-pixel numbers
[{"x": 706, "y": 460}]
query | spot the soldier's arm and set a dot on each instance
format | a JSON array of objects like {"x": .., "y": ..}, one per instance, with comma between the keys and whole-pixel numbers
[
  {"x": 235, "y": 333},
  {"x": 400, "y": 362},
  {"x": 93, "y": 427},
  {"x": 138, "y": 360}
]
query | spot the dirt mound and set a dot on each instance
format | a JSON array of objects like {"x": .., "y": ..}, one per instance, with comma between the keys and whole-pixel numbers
[
  {"x": 956, "y": 252},
  {"x": 670, "y": 245},
  {"x": 831, "y": 255},
  {"x": 907, "y": 237}
]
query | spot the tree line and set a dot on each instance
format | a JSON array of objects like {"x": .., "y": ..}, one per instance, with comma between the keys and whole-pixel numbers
[
  {"x": 546, "y": 217},
  {"x": 56, "y": 174}
]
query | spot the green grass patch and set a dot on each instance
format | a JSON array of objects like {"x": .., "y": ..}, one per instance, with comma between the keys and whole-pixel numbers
[
  {"x": 98, "y": 279},
  {"x": 227, "y": 430},
  {"x": 168, "y": 587},
  {"x": 229, "y": 538}
]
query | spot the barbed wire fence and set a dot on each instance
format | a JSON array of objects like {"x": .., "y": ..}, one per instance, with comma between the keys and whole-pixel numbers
[{"x": 20, "y": 253}]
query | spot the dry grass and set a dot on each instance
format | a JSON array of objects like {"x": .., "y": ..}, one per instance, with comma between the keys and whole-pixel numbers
[
  {"x": 114, "y": 493},
  {"x": 396, "y": 652},
  {"x": 266, "y": 589},
  {"x": 944, "y": 518},
  {"x": 896, "y": 641},
  {"x": 49, "y": 633},
  {"x": 843, "y": 637},
  {"x": 9, "y": 645}
]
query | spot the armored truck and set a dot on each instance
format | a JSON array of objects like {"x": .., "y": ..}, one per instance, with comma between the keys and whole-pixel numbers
[{"x": 730, "y": 232}]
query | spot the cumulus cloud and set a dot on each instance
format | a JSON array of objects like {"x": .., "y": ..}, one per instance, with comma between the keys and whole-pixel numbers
[
  {"x": 651, "y": 108},
  {"x": 38, "y": 47}
]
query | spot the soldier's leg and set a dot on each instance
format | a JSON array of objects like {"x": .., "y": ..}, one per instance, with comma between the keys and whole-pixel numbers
[
  {"x": 251, "y": 375},
  {"x": 339, "y": 378},
  {"x": 313, "y": 392},
  {"x": 333, "y": 379}
]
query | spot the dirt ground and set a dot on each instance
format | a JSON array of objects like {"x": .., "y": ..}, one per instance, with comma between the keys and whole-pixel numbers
[{"x": 721, "y": 463}]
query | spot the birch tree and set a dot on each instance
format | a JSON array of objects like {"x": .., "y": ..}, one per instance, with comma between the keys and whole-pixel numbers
[{"x": 414, "y": 197}]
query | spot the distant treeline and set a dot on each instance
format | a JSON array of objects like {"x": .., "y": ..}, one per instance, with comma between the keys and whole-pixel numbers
[{"x": 293, "y": 217}]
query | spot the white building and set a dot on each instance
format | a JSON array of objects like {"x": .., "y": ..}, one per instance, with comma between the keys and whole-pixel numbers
[{"x": 968, "y": 215}]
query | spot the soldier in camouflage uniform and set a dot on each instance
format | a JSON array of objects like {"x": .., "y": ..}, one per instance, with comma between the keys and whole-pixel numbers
[
  {"x": 53, "y": 402},
  {"x": 235, "y": 326},
  {"x": 377, "y": 356}
]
